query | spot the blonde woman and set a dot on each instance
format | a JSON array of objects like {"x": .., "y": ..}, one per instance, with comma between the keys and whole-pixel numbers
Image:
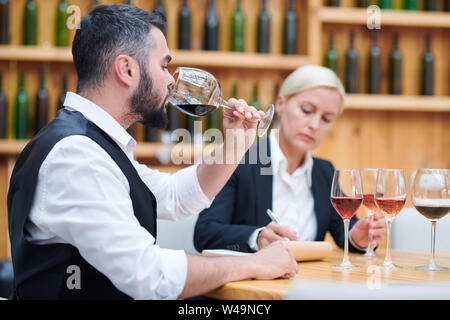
[{"x": 297, "y": 189}]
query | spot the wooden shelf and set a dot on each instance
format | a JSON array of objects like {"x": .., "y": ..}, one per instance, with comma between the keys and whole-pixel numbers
[
  {"x": 180, "y": 57},
  {"x": 397, "y": 103},
  {"x": 388, "y": 17}
]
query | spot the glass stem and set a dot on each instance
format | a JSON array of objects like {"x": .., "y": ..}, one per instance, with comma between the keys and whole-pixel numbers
[
  {"x": 433, "y": 242},
  {"x": 225, "y": 104},
  {"x": 346, "y": 225},
  {"x": 388, "y": 246},
  {"x": 370, "y": 247}
]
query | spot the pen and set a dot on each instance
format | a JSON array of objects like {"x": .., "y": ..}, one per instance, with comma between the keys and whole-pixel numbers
[{"x": 275, "y": 219}]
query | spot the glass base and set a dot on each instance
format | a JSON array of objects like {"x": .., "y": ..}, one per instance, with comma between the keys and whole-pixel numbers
[
  {"x": 432, "y": 267},
  {"x": 369, "y": 257},
  {"x": 345, "y": 266},
  {"x": 389, "y": 265}
]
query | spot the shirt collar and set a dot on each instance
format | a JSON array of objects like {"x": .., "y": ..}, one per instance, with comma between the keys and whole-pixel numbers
[
  {"x": 279, "y": 161},
  {"x": 100, "y": 117}
]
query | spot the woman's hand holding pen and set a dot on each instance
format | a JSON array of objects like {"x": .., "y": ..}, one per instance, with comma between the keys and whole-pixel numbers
[{"x": 274, "y": 232}]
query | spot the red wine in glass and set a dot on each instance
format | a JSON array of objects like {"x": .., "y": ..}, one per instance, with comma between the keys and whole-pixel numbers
[
  {"x": 346, "y": 207},
  {"x": 390, "y": 207}
]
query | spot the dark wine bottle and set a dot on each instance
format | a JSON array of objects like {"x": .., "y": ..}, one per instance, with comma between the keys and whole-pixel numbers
[
  {"x": 447, "y": 5},
  {"x": 130, "y": 2},
  {"x": 160, "y": 7},
  {"x": 4, "y": 21},
  {"x": 213, "y": 120},
  {"x": 333, "y": 3},
  {"x": 351, "y": 67},
  {"x": 395, "y": 69},
  {"x": 237, "y": 29},
  {"x": 211, "y": 27},
  {"x": 94, "y": 4},
  {"x": 385, "y": 4},
  {"x": 263, "y": 28},
  {"x": 255, "y": 102},
  {"x": 30, "y": 23},
  {"x": 431, "y": 5},
  {"x": 331, "y": 57},
  {"x": 410, "y": 5},
  {"x": 152, "y": 134},
  {"x": 3, "y": 108},
  {"x": 290, "y": 30},
  {"x": 62, "y": 96},
  {"x": 184, "y": 27},
  {"x": 41, "y": 112},
  {"x": 374, "y": 74},
  {"x": 22, "y": 108},
  {"x": 428, "y": 69},
  {"x": 363, "y": 3},
  {"x": 62, "y": 32}
]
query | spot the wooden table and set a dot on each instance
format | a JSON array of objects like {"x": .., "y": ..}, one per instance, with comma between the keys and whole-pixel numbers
[{"x": 320, "y": 270}]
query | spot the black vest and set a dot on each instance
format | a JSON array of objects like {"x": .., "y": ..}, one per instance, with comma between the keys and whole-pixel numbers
[{"x": 41, "y": 271}]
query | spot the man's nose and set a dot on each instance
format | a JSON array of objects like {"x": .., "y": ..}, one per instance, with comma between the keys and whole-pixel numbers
[{"x": 171, "y": 81}]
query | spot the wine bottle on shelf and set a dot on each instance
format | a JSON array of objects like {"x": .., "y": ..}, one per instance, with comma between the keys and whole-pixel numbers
[
  {"x": 263, "y": 28},
  {"x": 363, "y": 3},
  {"x": 331, "y": 57},
  {"x": 62, "y": 32},
  {"x": 447, "y": 5},
  {"x": 428, "y": 69},
  {"x": 333, "y": 3},
  {"x": 234, "y": 91},
  {"x": 41, "y": 114},
  {"x": 4, "y": 21},
  {"x": 62, "y": 96},
  {"x": 237, "y": 29},
  {"x": 184, "y": 27},
  {"x": 290, "y": 29},
  {"x": 351, "y": 67},
  {"x": 374, "y": 72},
  {"x": 94, "y": 4},
  {"x": 410, "y": 5},
  {"x": 3, "y": 108},
  {"x": 130, "y": 2},
  {"x": 30, "y": 23},
  {"x": 385, "y": 4},
  {"x": 431, "y": 5},
  {"x": 211, "y": 27},
  {"x": 213, "y": 121},
  {"x": 255, "y": 102},
  {"x": 151, "y": 134},
  {"x": 160, "y": 7},
  {"x": 21, "y": 115},
  {"x": 395, "y": 69}
]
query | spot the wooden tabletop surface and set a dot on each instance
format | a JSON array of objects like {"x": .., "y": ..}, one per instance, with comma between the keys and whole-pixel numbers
[{"x": 321, "y": 270}]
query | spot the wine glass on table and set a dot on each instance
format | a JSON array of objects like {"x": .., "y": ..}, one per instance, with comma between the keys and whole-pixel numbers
[
  {"x": 197, "y": 93},
  {"x": 369, "y": 178},
  {"x": 390, "y": 197},
  {"x": 431, "y": 197},
  {"x": 346, "y": 197}
]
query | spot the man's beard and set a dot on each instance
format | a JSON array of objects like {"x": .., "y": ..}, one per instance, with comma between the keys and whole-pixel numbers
[{"x": 146, "y": 103}]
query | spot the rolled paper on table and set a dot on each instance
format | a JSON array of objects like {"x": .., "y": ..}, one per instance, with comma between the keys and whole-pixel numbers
[{"x": 309, "y": 250}]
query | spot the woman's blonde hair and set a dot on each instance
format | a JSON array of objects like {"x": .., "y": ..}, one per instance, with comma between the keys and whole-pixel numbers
[{"x": 312, "y": 76}]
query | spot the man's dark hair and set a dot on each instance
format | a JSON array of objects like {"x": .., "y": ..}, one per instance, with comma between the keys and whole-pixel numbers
[{"x": 108, "y": 31}]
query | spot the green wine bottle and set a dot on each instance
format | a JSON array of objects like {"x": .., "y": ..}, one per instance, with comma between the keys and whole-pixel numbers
[
  {"x": 428, "y": 69},
  {"x": 351, "y": 67},
  {"x": 41, "y": 112},
  {"x": 447, "y": 5},
  {"x": 213, "y": 120},
  {"x": 237, "y": 29},
  {"x": 30, "y": 25},
  {"x": 211, "y": 27},
  {"x": 333, "y": 3},
  {"x": 21, "y": 115},
  {"x": 130, "y": 2},
  {"x": 410, "y": 5},
  {"x": 431, "y": 5},
  {"x": 255, "y": 102},
  {"x": 160, "y": 7},
  {"x": 290, "y": 30},
  {"x": 3, "y": 108},
  {"x": 331, "y": 57},
  {"x": 151, "y": 134},
  {"x": 62, "y": 32},
  {"x": 263, "y": 28},
  {"x": 363, "y": 3},
  {"x": 395, "y": 69},
  {"x": 385, "y": 4},
  {"x": 62, "y": 96},
  {"x": 374, "y": 74},
  {"x": 4, "y": 21},
  {"x": 184, "y": 27}
]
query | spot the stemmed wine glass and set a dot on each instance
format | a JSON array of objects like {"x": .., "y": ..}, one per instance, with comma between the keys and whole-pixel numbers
[
  {"x": 390, "y": 197},
  {"x": 369, "y": 178},
  {"x": 197, "y": 93},
  {"x": 431, "y": 197},
  {"x": 346, "y": 197}
]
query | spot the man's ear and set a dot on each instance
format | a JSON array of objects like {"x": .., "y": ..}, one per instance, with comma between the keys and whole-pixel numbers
[{"x": 126, "y": 70}]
